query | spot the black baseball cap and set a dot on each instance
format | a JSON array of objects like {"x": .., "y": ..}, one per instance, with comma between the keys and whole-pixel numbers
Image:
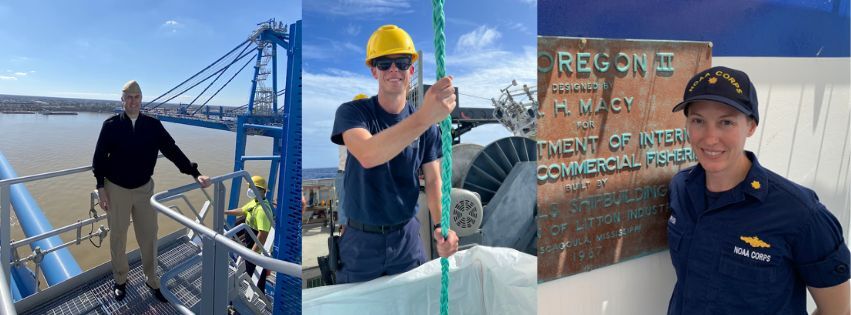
[{"x": 723, "y": 85}]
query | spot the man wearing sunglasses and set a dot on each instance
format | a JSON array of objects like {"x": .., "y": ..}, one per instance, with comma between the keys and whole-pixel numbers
[{"x": 389, "y": 141}]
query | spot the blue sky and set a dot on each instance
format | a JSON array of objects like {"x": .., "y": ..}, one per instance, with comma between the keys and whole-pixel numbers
[
  {"x": 88, "y": 49},
  {"x": 487, "y": 45}
]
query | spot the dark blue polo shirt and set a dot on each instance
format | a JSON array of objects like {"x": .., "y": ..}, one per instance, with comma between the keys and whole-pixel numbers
[
  {"x": 385, "y": 194},
  {"x": 755, "y": 250}
]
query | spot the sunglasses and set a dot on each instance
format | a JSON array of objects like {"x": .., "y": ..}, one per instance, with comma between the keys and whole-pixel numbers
[{"x": 383, "y": 64}]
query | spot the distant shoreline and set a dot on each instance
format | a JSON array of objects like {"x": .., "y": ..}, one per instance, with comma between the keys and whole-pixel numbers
[{"x": 21, "y": 104}]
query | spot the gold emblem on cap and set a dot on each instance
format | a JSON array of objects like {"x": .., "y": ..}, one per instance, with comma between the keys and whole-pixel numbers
[
  {"x": 712, "y": 80},
  {"x": 755, "y": 184}
]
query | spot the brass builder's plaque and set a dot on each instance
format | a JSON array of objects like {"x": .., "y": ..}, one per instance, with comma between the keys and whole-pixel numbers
[{"x": 608, "y": 144}]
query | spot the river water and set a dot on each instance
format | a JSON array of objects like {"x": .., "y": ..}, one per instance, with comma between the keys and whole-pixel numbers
[{"x": 37, "y": 144}]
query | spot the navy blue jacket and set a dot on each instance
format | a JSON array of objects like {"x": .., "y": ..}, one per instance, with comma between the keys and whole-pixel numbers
[
  {"x": 755, "y": 249},
  {"x": 127, "y": 155}
]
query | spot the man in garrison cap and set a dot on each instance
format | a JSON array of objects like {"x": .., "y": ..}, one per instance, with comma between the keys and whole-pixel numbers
[{"x": 124, "y": 160}]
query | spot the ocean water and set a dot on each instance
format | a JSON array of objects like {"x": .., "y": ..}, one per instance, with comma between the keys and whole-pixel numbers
[{"x": 318, "y": 173}]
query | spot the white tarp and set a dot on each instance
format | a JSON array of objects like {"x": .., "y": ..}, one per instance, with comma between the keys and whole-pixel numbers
[{"x": 483, "y": 280}]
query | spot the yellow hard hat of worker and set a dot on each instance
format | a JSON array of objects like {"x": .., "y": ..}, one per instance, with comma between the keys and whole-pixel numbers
[
  {"x": 360, "y": 97},
  {"x": 259, "y": 181},
  {"x": 389, "y": 40}
]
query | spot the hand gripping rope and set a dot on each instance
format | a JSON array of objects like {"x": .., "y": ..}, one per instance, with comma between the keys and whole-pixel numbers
[{"x": 446, "y": 162}]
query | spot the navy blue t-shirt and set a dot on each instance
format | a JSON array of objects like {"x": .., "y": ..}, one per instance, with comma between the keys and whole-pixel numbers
[
  {"x": 385, "y": 194},
  {"x": 754, "y": 249}
]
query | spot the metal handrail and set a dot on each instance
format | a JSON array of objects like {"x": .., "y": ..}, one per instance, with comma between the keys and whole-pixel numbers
[
  {"x": 5, "y": 211},
  {"x": 73, "y": 226},
  {"x": 35, "y": 177},
  {"x": 269, "y": 263},
  {"x": 216, "y": 245},
  {"x": 7, "y": 306},
  {"x": 244, "y": 227}
]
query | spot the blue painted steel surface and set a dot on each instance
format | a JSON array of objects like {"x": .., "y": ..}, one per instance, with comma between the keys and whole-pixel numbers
[
  {"x": 220, "y": 125},
  {"x": 13, "y": 285},
  {"x": 288, "y": 222},
  {"x": 759, "y": 28},
  {"x": 24, "y": 279},
  {"x": 57, "y": 266},
  {"x": 273, "y": 170},
  {"x": 238, "y": 165}
]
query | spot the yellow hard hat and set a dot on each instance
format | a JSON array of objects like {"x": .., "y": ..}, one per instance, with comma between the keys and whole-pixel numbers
[
  {"x": 360, "y": 97},
  {"x": 259, "y": 181},
  {"x": 389, "y": 40}
]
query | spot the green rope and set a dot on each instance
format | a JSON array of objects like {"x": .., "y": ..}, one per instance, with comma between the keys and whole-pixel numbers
[{"x": 446, "y": 161}]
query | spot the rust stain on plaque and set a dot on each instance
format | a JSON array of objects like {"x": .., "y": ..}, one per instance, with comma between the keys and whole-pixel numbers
[{"x": 608, "y": 144}]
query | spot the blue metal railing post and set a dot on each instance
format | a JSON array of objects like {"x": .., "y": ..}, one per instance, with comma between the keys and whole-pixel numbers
[
  {"x": 288, "y": 224},
  {"x": 238, "y": 164},
  {"x": 273, "y": 168}
]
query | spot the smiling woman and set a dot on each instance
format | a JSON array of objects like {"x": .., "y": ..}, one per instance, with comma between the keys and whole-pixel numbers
[{"x": 777, "y": 237}]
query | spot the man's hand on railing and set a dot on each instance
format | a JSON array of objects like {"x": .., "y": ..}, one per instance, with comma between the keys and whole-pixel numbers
[
  {"x": 204, "y": 181},
  {"x": 103, "y": 199}
]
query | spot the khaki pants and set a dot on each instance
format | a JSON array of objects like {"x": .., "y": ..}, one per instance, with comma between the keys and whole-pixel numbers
[{"x": 124, "y": 203}]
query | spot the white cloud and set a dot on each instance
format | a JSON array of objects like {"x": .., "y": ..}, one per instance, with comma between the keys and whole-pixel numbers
[
  {"x": 354, "y": 48},
  {"x": 20, "y": 74},
  {"x": 479, "y": 39},
  {"x": 484, "y": 78},
  {"x": 353, "y": 30},
  {"x": 367, "y": 8},
  {"x": 332, "y": 49},
  {"x": 7, "y": 78},
  {"x": 171, "y": 26},
  {"x": 314, "y": 52},
  {"x": 520, "y": 27}
]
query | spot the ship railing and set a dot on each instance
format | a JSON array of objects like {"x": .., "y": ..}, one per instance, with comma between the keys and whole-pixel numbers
[
  {"x": 38, "y": 254},
  {"x": 5, "y": 215},
  {"x": 9, "y": 254},
  {"x": 7, "y": 306},
  {"x": 217, "y": 245}
]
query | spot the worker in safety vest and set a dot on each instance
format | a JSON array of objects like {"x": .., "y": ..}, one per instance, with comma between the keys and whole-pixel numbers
[{"x": 253, "y": 214}]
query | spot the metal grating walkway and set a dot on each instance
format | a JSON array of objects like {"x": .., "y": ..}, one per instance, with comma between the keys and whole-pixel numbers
[
  {"x": 96, "y": 297},
  {"x": 187, "y": 287}
]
